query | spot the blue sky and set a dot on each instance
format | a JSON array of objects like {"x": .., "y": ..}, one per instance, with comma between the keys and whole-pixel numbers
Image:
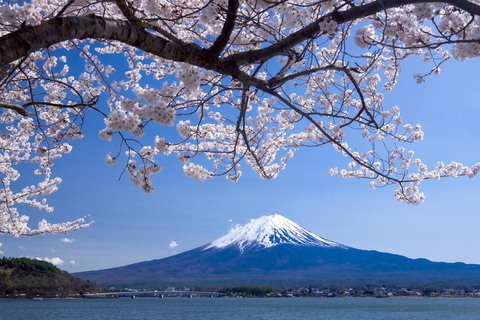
[{"x": 131, "y": 226}]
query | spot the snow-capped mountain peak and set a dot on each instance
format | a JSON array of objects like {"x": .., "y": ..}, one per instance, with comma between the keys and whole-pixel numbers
[{"x": 269, "y": 231}]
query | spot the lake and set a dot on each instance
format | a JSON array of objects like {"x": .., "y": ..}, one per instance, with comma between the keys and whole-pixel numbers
[{"x": 235, "y": 308}]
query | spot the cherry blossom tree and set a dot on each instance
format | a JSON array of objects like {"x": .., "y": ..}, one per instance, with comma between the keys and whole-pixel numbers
[{"x": 242, "y": 82}]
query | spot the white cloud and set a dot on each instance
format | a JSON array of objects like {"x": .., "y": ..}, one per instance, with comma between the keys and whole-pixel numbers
[
  {"x": 21, "y": 247},
  {"x": 67, "y": 240},
  {"x": 55, "y": 261},
  {"x": 173, "y": 244},
  {"x": 230, "y": 220},
  {"x": 72, "y": 261}
]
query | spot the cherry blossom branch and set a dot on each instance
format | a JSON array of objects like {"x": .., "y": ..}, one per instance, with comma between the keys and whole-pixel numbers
[
  {"x": 340, "y": 17},
  {"x": 29, "y": 39},
  {"x": 331, "y": 139},
  {"x": 129, "y": 12},
  {"x": 64, "y": 8},
  {"x": 362, "y": 98},
  {"x": 227, "y": 28},
  {"x": 272, "y": 83}
]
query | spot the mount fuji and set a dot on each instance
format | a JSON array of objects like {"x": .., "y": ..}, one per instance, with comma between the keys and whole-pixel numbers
[
  {"x": 267, "y": 232},
  {"x": 273, "y": 250}
]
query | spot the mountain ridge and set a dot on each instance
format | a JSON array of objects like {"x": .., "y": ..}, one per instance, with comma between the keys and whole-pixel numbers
[{"x": 273, "y": 250}]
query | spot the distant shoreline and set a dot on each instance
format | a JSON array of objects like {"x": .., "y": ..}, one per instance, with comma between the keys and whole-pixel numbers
[{"x": 237, "y": 297}]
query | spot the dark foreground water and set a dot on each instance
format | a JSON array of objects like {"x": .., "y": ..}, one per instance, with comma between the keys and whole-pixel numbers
[{"x": 250, "y": 309}]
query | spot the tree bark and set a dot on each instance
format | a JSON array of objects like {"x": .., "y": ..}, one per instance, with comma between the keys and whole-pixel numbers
[{"x": 28, "y": 39}]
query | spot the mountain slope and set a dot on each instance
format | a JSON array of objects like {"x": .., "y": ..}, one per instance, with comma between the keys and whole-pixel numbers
[{"x": 273, "y": 250}]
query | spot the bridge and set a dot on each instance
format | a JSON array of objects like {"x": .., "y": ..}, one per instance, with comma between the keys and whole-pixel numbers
[{"x": 154, "y": 293}]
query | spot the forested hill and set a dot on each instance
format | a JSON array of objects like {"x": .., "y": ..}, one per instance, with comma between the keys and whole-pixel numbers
[{"x": 23, "y": 275}]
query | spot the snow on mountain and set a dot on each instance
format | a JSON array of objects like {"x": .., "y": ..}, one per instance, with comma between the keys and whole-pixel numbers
[
  {"x": 269, "y": 231},
  {"x": 274, "y": 251}
]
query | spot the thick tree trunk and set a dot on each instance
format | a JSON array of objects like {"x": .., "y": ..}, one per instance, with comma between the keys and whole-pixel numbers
[{"x": 28, "y": 39}]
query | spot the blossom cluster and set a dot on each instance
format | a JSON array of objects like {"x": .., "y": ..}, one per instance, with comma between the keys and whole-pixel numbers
[
  {"x": 30, "y": 13},
  {"x": 22, "y": 142},
  {"x": 328, "y": 26}
]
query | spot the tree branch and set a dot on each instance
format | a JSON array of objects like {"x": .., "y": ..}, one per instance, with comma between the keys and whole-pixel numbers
[
  {"x": 340, "y": 17},
  {"x": 13, "y": 106},
  {"x": 28, "y": 39},
  {"x": 293, "y": 57},
  {"x": 227, "y": 29},
  {"x": 362, "y": 98},
  {"x": 65, "y": 7},
  {"x": 129, "y": 12},
  {"x": 331, "y": 139},
  {"x": 275, "y": 82}
]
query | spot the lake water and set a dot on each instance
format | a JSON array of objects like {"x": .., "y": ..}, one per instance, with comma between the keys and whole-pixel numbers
[{"x": 232, "y": 308}]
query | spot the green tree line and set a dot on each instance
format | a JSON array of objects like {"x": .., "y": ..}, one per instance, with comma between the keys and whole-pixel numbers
[
  {"x": 249, "y": 291},
  {"x": 24, "y": 275}
]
